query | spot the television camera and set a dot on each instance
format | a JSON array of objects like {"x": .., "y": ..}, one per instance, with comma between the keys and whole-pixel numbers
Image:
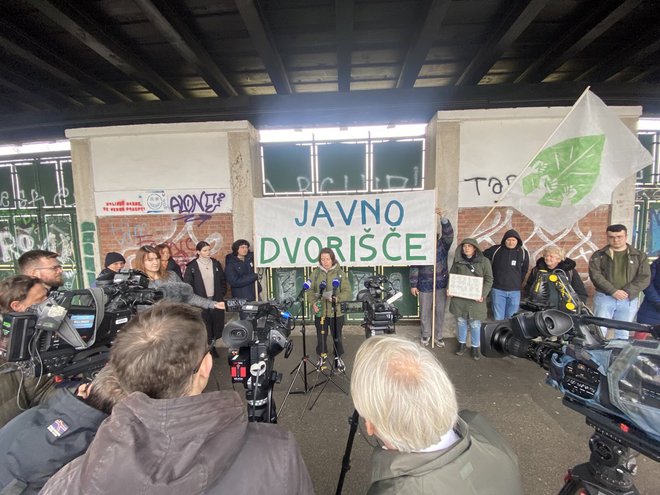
[
  {"x": 615, "y": 384},
  {"x": 376, "y": 301},
  {"x": 70, "y": 333},
  {"x": 261, "y": 333}
]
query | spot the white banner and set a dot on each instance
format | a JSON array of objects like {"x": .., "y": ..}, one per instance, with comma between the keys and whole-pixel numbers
[
  {"x": 184, "y": 202},
  {"x": 362, "y": 230},
  {"x": 587, "y": 157}
]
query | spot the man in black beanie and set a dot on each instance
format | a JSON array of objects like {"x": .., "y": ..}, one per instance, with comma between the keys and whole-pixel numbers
[{"x": 114, "y": 262}]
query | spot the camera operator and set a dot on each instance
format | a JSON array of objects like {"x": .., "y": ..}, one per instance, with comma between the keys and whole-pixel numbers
[
  {"x": 43, "y": 265},
  {"x": 408, "y": 402},
  {"x": 167, "y": 436},
  {"x": 17, "y": 392},
  {"x": 114, "y": 263},
  {"x": 38, "y": 442},
  {"x": 328, "y": 289}
]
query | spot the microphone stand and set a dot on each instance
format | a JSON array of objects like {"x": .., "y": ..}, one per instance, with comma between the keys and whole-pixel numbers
[{"x": 328, "y": 376}]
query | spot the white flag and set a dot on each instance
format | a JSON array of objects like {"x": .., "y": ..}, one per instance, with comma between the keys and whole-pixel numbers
[{"x": 588, "y": 156}]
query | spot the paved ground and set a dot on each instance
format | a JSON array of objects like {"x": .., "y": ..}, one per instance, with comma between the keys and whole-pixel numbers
[{"x": 548, "y": 437}]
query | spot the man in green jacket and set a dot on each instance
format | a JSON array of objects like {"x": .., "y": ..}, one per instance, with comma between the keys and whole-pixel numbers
[
  {"x": 408, "y": 402},
  {"x": 619, "y": 273}
]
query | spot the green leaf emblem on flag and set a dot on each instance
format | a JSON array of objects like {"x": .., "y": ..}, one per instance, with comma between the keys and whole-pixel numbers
[{"x": 566, "y": 171}]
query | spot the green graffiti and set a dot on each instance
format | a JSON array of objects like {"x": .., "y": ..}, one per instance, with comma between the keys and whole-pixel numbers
[
  {"x": 566, "y": 171},
  {"x": 88, "y": 231}
]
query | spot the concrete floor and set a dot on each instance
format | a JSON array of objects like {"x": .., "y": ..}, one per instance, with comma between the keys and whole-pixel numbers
[{"x": 547, "y": 437}]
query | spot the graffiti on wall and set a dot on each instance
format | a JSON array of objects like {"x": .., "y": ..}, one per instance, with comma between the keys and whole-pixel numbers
[
  {"x": 497, "y": 224},
  {"x": 126, "y": 236},
  {"x": 190, "y": 204}
]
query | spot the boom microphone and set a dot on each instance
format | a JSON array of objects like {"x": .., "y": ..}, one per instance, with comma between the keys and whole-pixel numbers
[{"x": 176, "y": 291}]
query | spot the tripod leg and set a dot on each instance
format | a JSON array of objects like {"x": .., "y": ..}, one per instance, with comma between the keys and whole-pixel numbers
[{"x": 346, "y": 460}]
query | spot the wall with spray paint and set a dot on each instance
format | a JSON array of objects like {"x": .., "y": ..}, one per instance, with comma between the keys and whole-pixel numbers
[{"x": 152, "y": 184}]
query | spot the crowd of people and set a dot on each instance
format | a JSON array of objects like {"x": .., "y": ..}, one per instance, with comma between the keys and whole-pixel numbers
[
  {"x": 135, "y": 415},
  {"x": 619, "y": 273}
]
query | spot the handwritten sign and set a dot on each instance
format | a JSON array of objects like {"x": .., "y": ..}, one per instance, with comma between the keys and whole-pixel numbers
[{"x": 465, "y": 286}]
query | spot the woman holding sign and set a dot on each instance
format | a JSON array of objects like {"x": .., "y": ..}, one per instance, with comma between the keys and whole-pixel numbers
[{"x": 470, "y": 281}]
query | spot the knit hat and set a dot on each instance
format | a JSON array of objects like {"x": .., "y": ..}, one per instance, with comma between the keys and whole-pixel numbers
[{"x": 113, "y": 257}]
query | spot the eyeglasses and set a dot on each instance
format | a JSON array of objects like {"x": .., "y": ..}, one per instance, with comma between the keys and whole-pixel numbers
[
  {"x": 56, "y": 268},
  {"x": 210, "y": 348}
]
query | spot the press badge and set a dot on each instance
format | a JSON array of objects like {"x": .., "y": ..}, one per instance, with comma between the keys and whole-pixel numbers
[{"x": 58, "y": 428}]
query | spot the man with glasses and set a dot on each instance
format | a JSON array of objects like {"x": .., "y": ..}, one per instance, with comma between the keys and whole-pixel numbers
[
  {"x": 43, "y": 265},
  {"x": 169, "y": 437}
]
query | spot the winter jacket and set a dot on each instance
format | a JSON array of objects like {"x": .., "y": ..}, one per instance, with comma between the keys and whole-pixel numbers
[
  {"x": 194, "y": 278},
  {"x": 324, "y": 300},
  {"x": 36, "y": 444},
  {"x": 31, "y": 392},
  {"x": 173, "y": 266},
  {"x": 480, "y": 462},
  {"x": 509, "y": 265},
  {"x": 601, "y": 265},
  {"x": 478, "y": 267},
  {"x": 183, "y": 296},
  {"x": 189, "y": 445},
  {"x": 240, "y": 276},
  {"x": 421, "y": 276},
  {"x": 566, "y": 265},
  {"x": 649, "y": 311}
]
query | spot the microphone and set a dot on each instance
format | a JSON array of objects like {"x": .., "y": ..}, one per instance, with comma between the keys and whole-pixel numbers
[
  {"x": 176, "y": 291},
  {"x": 305, "y": 287},
  {"x": 335, "y": 286},
  {"x": 322, "y": 287}
]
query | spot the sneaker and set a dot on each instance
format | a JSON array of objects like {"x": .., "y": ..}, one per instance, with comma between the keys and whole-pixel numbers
[
  {"x": 476, "y": 355},
  {"x": 425, "y": 341},
  {"x": 321, "y": 363},
  {"x": 461, "y": 349},
  {"x": 439, "y": 343},
  {"x": 339, "y": 365}
]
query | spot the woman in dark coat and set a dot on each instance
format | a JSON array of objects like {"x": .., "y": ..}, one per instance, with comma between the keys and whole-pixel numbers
[
  {"x": 470, "y": 261},
  {"x": 167, "y": 261},
  {"x": 554, "y": 260},
  {"x": 239, "y": 270},
  {"x": 207, "y": 278}
]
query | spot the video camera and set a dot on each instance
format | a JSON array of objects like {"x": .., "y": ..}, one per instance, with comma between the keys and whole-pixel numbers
[
  {"x": 70, "y": 333},
  {"x": 375, "y": 300},
  {"x": 261, "y": 333},
  {"x": 615, "y": 384}
]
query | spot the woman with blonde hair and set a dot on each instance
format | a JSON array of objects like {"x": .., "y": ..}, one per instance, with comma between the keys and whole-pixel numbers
[{"x": 553, "y": 260}]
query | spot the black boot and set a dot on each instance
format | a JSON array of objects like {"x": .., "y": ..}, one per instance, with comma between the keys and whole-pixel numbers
[
  {"x": 461, "y": 349},
  {"x": 476, "y": 355}
]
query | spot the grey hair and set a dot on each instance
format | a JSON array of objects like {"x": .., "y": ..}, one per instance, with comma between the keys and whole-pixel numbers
[
  {"x": 555, "y": 250},
  {"x": 402, "y": 389}
]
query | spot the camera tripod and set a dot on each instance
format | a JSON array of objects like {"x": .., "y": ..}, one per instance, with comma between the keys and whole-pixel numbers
[
  {"x": 328, "y": 375},
  {"x": 301, "y": 369},
  {"x": 612, "y": 462}
]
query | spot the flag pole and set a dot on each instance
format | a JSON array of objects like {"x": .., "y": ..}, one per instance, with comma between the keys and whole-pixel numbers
[{"x": 515, "y": 181}]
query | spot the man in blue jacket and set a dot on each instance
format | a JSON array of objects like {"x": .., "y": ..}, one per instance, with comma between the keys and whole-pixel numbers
[{"x": 421, "y": 285}]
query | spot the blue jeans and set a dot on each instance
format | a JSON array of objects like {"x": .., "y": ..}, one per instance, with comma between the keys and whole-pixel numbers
[
  {"x": 504, "y": 302},
  {"x": 475, "y": 331},
  {"x": 608, "y": 307}
]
